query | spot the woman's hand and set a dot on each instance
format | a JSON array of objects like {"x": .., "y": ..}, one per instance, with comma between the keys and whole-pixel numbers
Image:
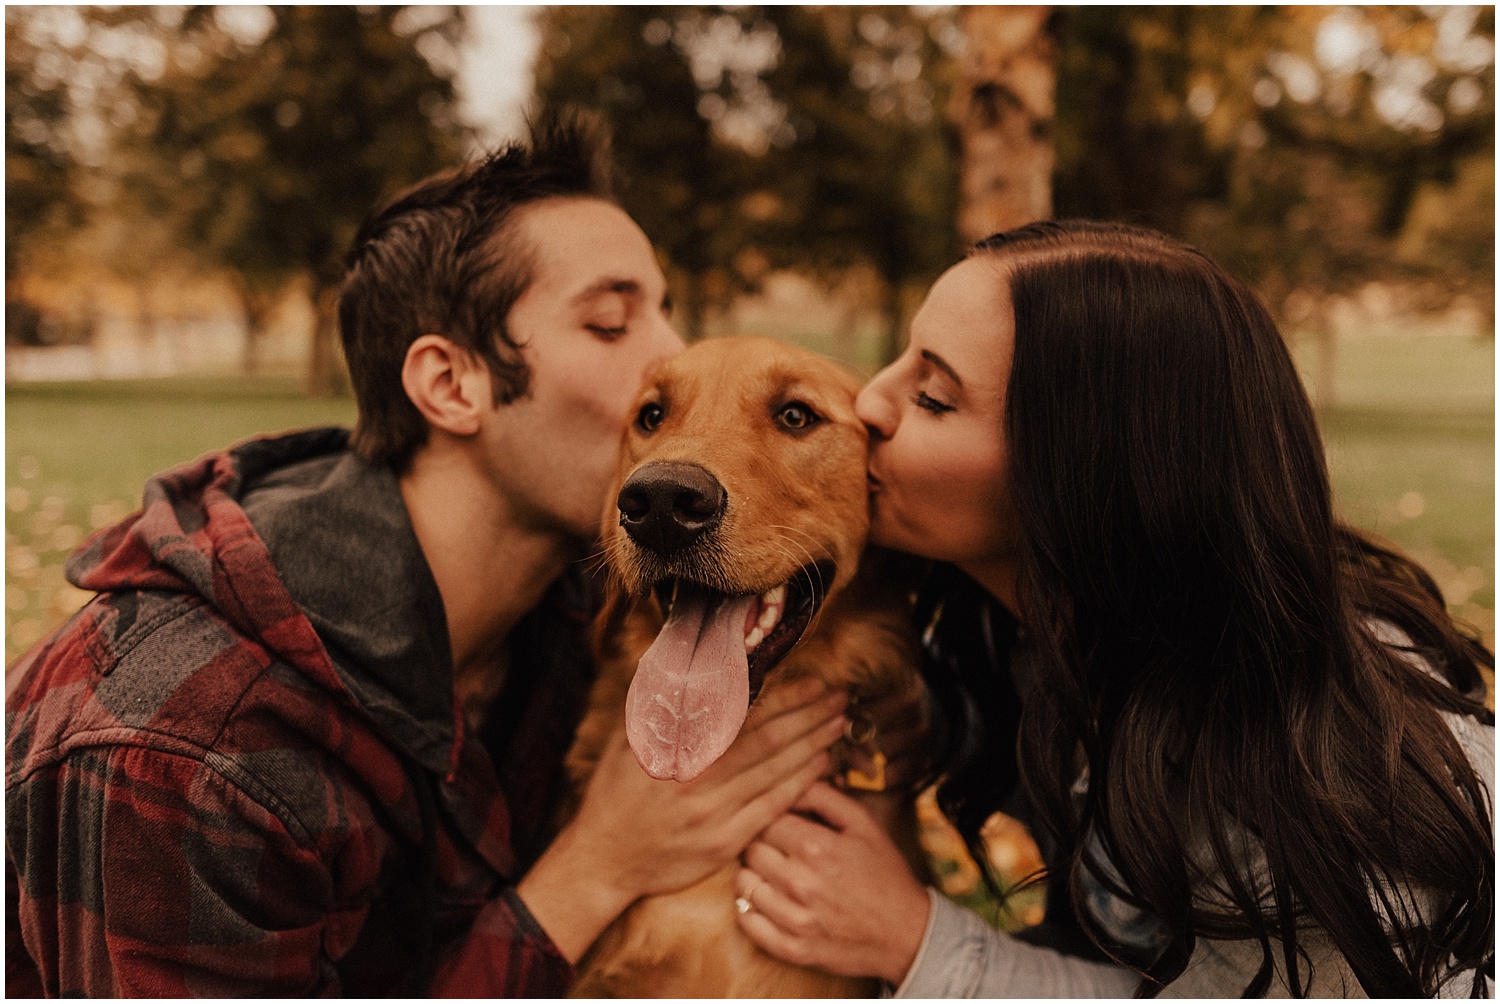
[
  {"x": 636, "y": 836},
  {"x": 835, "y": 894}
]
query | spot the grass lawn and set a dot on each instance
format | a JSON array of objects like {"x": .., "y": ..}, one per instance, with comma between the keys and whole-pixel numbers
[
  {"x": 1411, "y": 449},
  {"x": 1411, "y": 444},
  {"x": 76, "y": 456}
]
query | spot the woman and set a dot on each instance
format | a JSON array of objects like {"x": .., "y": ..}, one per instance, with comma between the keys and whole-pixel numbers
[{"x": 1253, "y": 741}]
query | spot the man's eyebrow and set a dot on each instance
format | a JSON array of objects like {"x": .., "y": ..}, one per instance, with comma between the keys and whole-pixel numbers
[
  {"x": 629, "y": 287},
  {"x": 942, "y": 364}
]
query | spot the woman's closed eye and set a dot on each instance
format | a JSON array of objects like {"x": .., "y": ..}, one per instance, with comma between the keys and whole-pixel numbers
[{"x": 927, "y": 402}]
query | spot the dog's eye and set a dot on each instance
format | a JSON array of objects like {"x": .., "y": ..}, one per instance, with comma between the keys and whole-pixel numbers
[
  {"x": 649, "y": 417},
  {"x": 796, "y": 415}
]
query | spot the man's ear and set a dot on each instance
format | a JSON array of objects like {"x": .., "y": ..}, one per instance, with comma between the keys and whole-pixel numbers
[{"x": 449, "y": 384}]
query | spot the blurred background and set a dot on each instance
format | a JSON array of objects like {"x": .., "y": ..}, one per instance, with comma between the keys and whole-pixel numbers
[{"x": 182, "y": 183}]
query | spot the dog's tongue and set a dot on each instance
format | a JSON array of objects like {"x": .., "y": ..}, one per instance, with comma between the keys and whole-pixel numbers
[{"x": 691, "y": 689}]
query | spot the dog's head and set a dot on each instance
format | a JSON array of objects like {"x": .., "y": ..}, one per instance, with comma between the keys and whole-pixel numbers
[{"x": 741, "y": 507}]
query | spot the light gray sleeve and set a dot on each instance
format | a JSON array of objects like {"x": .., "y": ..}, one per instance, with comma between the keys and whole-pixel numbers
[{"x": 962, "y": 956}]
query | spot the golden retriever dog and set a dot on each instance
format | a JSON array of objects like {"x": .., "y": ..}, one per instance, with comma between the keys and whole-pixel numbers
[{"x": 735, "y": 565}]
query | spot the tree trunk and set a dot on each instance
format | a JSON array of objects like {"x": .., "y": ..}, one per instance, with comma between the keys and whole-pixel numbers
[
  {"x": 148, "y": 332},
  {"x": 257, "y": 305},
  {"x": 1004, "y": 105},
  {"x": 1326, "y": 395},
  {"x": 326, "y": 375}
]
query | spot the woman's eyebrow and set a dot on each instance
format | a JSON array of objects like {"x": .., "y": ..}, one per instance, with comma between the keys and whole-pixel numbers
[{"x": 942, "y": 364}]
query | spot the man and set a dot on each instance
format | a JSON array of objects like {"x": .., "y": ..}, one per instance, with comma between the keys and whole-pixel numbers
[{"x": 308, "y": 738}]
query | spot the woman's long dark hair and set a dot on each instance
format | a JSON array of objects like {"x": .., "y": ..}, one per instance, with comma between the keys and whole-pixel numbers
[{"x": 1209, "y": 635}]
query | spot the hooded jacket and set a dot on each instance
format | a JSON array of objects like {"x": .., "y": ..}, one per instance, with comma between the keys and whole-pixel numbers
[{"x": 239, "y": 771}]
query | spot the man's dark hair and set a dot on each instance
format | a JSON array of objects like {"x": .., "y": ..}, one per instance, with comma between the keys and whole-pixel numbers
[{"x": 443, "y": 258}]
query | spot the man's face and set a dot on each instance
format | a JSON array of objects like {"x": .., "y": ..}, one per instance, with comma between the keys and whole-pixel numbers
[{"x": 592, "y": 325}]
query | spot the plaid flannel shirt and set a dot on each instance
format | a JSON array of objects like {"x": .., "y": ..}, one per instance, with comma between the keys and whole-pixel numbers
[{"x": 238, "y": 770}]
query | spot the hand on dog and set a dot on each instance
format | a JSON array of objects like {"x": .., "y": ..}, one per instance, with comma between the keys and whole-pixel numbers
[
  {"x": 635, "y": 836},
  {"x": 833, "y": 893}
]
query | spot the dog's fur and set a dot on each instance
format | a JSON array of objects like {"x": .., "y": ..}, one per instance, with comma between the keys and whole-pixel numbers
[{"x": 795, "y": 497}]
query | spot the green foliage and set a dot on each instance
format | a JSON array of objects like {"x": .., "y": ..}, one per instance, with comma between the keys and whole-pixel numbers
[
  {"x": 759, "y": 137},
  {"x": 1453, "y": 220},
  {"x": 869, "y": 176},
  {"x": 266, "y": 144},
  {"x": 676, "y": 182},
  {"x": 243, "y": 141},
  {"x": 1308, "y": 149},
  {"x": 37, "y": 165},
  {"x": 40, "y": 169}
]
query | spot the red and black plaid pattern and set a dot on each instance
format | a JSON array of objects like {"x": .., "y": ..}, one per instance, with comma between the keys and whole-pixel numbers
[{"x": 196, "y": 804}]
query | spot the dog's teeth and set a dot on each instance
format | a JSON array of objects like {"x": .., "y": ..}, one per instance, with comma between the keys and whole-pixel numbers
[
  {"x": 774, "y": 597},
  {"x": 768, "y": 618},
  {"x": 754, "y": 638}
]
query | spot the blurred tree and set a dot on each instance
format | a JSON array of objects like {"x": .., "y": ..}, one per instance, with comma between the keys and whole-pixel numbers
[
  {"x": 1004, "y": 107},
  {"x": 1312, "y": 150},
  {"x": 870, "y": 170},
  {"x": 1291, "y": 142},
  {"x": 1127, "y": 146},
  {"x": 41, "y": 199},
  {"x": 1453, "y": 220},
  {"x": 677, "y": 182},
  {"x": 271, "y": 132},
  {"x": 753, "y": 138}
]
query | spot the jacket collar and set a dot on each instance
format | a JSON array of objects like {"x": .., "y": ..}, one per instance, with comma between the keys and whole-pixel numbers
[{"x": 338, "y": 533}]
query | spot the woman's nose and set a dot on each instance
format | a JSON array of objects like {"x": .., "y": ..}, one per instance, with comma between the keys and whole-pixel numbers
[{"x": 876, "y": 408}]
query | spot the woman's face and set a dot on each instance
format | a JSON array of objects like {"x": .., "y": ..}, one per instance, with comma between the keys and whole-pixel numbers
[{"x": 938, "y": 475}]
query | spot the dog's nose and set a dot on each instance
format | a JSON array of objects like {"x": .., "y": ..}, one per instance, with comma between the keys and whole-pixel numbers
[{"x": 666, "y": 506}]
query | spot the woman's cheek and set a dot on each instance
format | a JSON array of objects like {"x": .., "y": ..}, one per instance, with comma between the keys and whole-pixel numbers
[
  {"x": 919, "y": 511},
  {"x": 959, "y": 512}
]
